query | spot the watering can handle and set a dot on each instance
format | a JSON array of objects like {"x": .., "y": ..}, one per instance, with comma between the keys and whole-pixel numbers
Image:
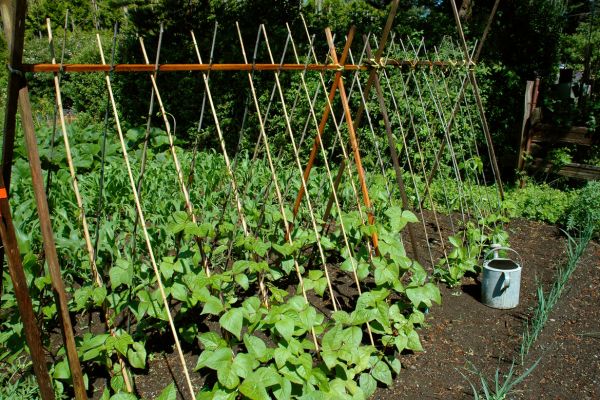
[
  {"x": 506, "y": 283},
  {"x": 495, "y": 249}
]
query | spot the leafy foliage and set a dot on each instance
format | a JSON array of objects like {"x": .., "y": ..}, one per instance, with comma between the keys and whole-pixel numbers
[
  {"x": 538, "y": 202},
  {"x": 585, "y": 209},
  {"x": 256, "y": 351}
]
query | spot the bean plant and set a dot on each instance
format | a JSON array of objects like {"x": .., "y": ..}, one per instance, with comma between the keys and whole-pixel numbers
[{"x": 250, "y": 347}]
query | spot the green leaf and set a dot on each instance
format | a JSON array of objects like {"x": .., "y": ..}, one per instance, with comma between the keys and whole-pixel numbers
[
  {"x": 281, "y": 355},
  {"x": 215, "y": 360},
  {"x": 268, "y": 376},
  {"x": 233, "y": 321},
  {"x": 284, "y": 391},
  {"x": 368, "y": 384},
  {"x": 394, "y": 363},
  {"x": 124, "y": 396},
  {"x": 352, "y": 336},
  {"x": 362, "y": 270},
  {"x": 242, "y": 280},
  {"x": 105, "y": 395},
  {"x": 401, "y": 341},
  {"x": 117, "y": 383},
  {"x": 240, "y": 266},
  {"x": 122, "y": 343},
  {"x": 456, "y": 241},
  {"x": 179, "y": 223},
  {"x": 398, "y": 218},
  {"x": 244, "y": 364},
  {"x": 327, "y": 244},
  {"x": 203, "y": 231},
  {"x": 168, "y": 393},
  {"x": 179, "y": 292},
  {"x": 227, "y": 376},
  {"x": 386, "y": 273},
  {"x": 212, "y": 306},
  {"x": 285, "y": 327},
  {"x": 288, "y": 265},
  {"x": 381, "y": 372},
  {"x": 98, "y": 295},
  {"x": 61, "y": 370},
  {"x": 260, "y": 247},
  {"x": 285, "y": 249},
  {"x": 137, "y": 355},
  {"x": 341, "y": 316},
  {"x": 414, "y": 343},
  {"x": 121, "y": 273},
  {"x": 256, "y": 347},
  {"x": 424, "y": 294},
  {"x": 81, "y": 296},
  {"x": 211, "y": 340},
  {"x": 253, "y": 389}
]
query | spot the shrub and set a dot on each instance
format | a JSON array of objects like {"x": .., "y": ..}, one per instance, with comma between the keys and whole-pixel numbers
[
  {"x": 585, "y": 209},
  {"x": 538, "y": 202}
]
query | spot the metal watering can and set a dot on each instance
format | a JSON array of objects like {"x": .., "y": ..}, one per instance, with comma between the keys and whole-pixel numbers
[{"x": 501, "y": 282}]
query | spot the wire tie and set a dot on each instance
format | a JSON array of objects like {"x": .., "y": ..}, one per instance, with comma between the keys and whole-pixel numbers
[
  {"x": 15, "y": 71},
  {"x": 372, "y": 63}
]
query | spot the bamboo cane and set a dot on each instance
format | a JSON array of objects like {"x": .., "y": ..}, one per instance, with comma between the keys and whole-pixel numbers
[
  {"x": 84, "y": 225},
  {"x": 329, "y": 176},
  {"x": 143, "y": 225},
  {"x": 288, "y": 126}
]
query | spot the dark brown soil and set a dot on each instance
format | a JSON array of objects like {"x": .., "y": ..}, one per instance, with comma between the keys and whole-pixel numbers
[{"x": 463, "y": 333}]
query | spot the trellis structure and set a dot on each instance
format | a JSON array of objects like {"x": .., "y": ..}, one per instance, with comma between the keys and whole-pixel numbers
[{"x": 398, "y": 91}]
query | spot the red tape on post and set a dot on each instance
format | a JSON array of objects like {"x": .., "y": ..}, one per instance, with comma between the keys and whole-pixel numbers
[{"x": 3, "y": 194}]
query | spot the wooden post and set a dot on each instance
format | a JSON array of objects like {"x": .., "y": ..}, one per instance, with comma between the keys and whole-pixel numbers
[
  {"x": 15, "y": 268},
  {"x": 394, "y": 154},
  {"x": 354, "y": 144},
  {"x": 324, "y": 118},
  {"x": 526, "y": 136},
  {"x": 49, "y": 245},
  {"x": 526, "y": 113},
  {"x": 9, "y": 10},
  {"x": 13, "y": 19},
  {"x": 475, "y": 86},
  {"x": 367, "y": 91},
  {"x": 459, "y": 99},
  {"x": 13, "y": 15}
]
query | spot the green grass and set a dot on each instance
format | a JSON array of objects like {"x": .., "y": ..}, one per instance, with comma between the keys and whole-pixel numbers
[
  {"x": 499, "y": 388},
  {"x": 17, "y": 381}
]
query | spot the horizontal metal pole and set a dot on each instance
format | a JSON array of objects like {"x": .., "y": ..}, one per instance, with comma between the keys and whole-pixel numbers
[{"x": 231, "y": 67}]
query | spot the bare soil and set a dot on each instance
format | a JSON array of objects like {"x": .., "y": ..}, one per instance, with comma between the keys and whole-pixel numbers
[{"x": 464, "y": 334}]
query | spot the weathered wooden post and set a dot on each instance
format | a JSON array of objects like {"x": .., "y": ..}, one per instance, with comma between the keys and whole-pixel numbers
[{"x": 13, "y": 17}]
